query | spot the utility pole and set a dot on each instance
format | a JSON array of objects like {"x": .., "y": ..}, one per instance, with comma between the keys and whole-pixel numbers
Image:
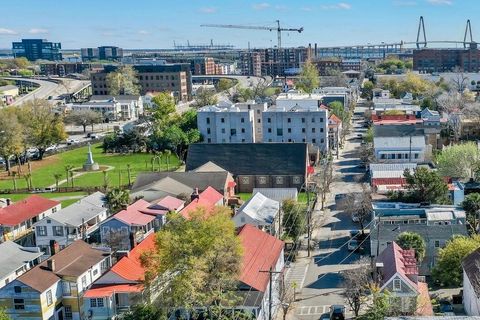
[
  {"x": 270, "y": 287},
  {"x": 309, "y": 218}
]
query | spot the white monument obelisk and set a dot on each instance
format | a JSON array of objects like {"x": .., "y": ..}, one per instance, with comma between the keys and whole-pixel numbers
[{"x": 90, "y": 165}]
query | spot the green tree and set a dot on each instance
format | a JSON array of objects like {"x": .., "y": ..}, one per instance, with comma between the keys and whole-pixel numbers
[
  {"x": 308, "y": 78},
  {"x": 42, "y": 126},
  {"x": 293, "y": 222},
  {"x": 11, "y": 135},
  {"x": 4, "y": 315},
  {"x": 412, "y": 240},
  {"x": 338, "y": 109},
  {"x": 225, "y": 84},
  {"x": 205, "y": 97},
  {"x": 425, "y": 185},
  {"x": 380, "y": 307},
  {"x": 21, "y": 63},
  {"x": 459, "y": 161},
  {"x": 123, "y": 81},
  {"x": 448, "y": 269},
  {"x": 368, "y": 138},
  {"x": 471, "y": 205},
  {"x": 57, "y": 177},
  {"x": 84, "y": 118},
  {"x": 367, "y": 90},
  {"x": 164, "y": 107},
  {"x": 117, "y": 199},
  {"x": 144, "y": 312},
  {"x": 196, "y": 260}
]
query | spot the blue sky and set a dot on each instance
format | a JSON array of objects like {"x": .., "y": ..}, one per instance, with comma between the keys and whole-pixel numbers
[{"x": 158, "y": 23}]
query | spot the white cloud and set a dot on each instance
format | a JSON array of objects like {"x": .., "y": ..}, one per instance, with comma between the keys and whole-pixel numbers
[
  {"x": 143, "y": 32},
  {"x": 208, "y": 10},
  {"x": 37, "y": 31},
  {"x": 440, "y": 2},
  {"x": 261, "y": 6},
  {"x": 340, "y": 5},
  {"x": 5, "y": 31},
  {"x": 281, "y": 7}
]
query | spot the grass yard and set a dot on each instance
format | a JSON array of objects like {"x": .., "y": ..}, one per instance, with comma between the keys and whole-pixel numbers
[
  {"x": 53, "y": 195},
  {"x": 43, "y": 175},
  {"x": 302, "y": 196}
]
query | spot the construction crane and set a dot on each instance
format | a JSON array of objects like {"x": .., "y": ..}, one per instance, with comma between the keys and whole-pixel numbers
[{"x": 278, "y": 28}]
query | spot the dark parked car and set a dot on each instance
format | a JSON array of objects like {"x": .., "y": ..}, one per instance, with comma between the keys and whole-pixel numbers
[
  {"x": 446, "y": 307},
  {"x": 337, "y": 312}
]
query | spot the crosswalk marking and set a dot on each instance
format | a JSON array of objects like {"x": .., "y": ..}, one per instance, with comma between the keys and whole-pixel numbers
[
  {"x": 315, "y": 310},
  {"x": 296, "y": 274}
]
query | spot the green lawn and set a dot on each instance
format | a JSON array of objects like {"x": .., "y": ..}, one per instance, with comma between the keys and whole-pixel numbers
[
  {"x": 302, "y": 197},
  {"x": 43, "y": 177},
  {"x": 65, "y": 203}
]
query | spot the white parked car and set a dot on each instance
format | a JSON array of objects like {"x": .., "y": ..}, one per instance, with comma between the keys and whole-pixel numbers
[{"x": 72, "y": 141}]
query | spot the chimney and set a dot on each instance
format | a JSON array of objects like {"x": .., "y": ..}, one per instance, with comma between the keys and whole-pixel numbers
[
  {"x": 51, "y": 264},
  {"x": 195, "y": 195}
]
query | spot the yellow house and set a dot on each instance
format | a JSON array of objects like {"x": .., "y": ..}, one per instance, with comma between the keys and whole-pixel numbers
[{"x": 53, "y": 290}]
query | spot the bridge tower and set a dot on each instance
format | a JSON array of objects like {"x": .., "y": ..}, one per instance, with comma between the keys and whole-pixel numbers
[
  {"x": 421, "y": 27},
  {"x": 468, "y": 31}
]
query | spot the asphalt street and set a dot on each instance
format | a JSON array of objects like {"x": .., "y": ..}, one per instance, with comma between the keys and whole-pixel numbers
[{"x": 321, "y": 283}]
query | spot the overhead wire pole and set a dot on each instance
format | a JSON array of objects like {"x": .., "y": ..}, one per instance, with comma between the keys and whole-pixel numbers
[{"x": 270, "y": 288}]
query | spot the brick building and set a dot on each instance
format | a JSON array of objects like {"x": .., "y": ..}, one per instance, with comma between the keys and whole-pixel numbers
[{"x": 445, "y": 60}]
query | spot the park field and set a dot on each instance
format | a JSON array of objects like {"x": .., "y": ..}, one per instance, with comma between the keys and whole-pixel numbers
[
  {"x": 115, "y": 164},
  {"x": 66, "y": 198}
]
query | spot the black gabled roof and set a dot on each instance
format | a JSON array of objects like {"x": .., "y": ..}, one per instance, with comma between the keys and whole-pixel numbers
[{"x": 251, "y": 158}]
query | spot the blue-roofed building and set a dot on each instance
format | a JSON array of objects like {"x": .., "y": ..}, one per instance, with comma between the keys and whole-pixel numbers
[{"x": 435, "y": 223}]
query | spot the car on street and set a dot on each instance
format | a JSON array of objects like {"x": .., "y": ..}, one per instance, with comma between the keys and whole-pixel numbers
[
  {"x": 72, "y": 141},
  {"x": 446, "y": 307},
  {"x": 353, "y": 245},
  {"x": 337, "y": 312},
  {"x": 355, "y": 217}
]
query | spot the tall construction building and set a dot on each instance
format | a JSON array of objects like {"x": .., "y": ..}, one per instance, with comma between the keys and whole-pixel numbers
[{"x": 274, "y": 61}]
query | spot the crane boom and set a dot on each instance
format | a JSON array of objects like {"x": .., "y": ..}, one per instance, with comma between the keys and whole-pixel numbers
[{"x": 277, "y": 28}]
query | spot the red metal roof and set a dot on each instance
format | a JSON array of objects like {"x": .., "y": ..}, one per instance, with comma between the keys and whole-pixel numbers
[
  {"x": 388, "y": 181},
  {"x": 260, "y": 252},
  {"x": 170, "y": 203},
  {"x": 130, "y": 267},
  {"x": 134, "y": 215},
  {"x": 24, "y": 210},
  {"x": 396, "y": 260},
  {"x": 108, "y": 290},
  {"x": 207, "y": 200}
]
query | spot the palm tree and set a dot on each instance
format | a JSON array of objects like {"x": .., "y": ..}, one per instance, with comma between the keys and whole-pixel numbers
[
  {"x": 105, "y": 179},
  {"x": 167, "y": 154},
  {"x": 68, "y": 168},
  {"x": 14, "y": 178},
  {"x": 117, "y": 199},
  {"x": 129, "y": 173},
  {"x": 28, "y": 179},
  {"x": 57, "y": 177}
]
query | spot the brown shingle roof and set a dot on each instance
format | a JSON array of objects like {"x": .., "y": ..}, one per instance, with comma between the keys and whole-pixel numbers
[{"x": 72, "y": 261}]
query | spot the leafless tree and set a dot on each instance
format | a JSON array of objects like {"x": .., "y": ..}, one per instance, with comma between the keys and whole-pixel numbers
[
  {"x": 460, "y": 80},
  {"x": 360, "y": 205},
  {"x": 323, "y": 179},
  {"x": 286, "y": 297},
  {"x": 357, "y": 285}
]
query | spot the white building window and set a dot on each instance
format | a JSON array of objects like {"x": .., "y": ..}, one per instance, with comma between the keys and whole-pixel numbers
[
  {"x": 49, "y": 297},
  {"x": 397, "y": 285},
  {"x": 41, "y": 231}
]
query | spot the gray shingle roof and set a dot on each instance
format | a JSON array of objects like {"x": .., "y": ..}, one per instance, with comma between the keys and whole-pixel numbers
[
  {"x": 200, "y": 180},
  {"x": 14, "y": 256},
  {"x": 437, "y": 232},
  {"x": 81, "y": 211},
  {"x": 278, "y": 194},
  {"x": 251, "y": 158}
]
